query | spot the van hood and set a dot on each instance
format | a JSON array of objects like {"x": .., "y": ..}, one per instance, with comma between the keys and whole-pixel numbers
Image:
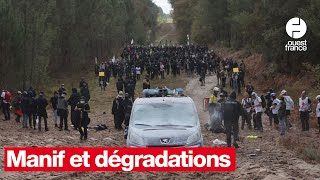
[{"x": 174, "y": 136}]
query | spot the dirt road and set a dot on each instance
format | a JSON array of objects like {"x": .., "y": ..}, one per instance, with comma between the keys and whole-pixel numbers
[{"x": 274, "y": 162}]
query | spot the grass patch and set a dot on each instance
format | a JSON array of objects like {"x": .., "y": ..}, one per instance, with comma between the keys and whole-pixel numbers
[
  {"x": 101, "y": 101},
  {"x": 311, "y": 153}
]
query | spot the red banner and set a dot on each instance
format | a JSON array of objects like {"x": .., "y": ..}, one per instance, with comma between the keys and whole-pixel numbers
[{"x": 119, "y": 159}]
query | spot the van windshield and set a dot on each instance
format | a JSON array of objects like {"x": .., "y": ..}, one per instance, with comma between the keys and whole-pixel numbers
[{"x": 160, "y": 114}]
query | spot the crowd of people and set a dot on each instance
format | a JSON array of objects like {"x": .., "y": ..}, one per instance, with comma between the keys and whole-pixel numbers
[
  {"x": 277, "y": 108},
  {"x": 33, "y": 109},
  {"x": 157, "y": 63}
]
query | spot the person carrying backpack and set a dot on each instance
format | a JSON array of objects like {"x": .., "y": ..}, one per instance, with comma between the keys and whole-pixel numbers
[{"x": 289, "y": 107}]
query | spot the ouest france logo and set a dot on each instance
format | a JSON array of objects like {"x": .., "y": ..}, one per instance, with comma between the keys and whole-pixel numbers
[{"x": 296, "y": 28}]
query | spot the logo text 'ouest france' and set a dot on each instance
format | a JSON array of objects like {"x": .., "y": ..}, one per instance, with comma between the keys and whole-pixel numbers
[{"x": 296, "y": 28}]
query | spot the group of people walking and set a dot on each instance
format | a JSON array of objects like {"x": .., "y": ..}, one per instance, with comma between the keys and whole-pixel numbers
[{"x": 33, "y": 108}]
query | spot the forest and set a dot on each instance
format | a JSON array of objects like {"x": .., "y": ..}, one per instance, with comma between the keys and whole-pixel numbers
[
  {"x": 41, "y": 39},
  {"x": 259, "y": 26}
]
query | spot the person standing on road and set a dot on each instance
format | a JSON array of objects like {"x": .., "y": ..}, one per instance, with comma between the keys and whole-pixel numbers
[
  {"x": 128, "y": 107},
  {"x": 63, "y": 111},
  {"x": 304, "y": 109},
  {"x": 17, "y": 106},
  {"x": 6, "y": 99},
  {"x": 289, "y": 107},
  {"x": 25, "y": 109},
  {"x": 257, "y": 105},
  {"x": 247, "y": 106},
  {"x": 82, "y": 119},
  {"x": 231, "y": 110},
  {"x": 118, "y": 111},
  {"x": 282, "y": 115},
  {"x": 54, "y": 103},
  {"x": 73, "y": 101},
  {"x": 42, "y": 104},
  {"x": 275, "y": 109}
]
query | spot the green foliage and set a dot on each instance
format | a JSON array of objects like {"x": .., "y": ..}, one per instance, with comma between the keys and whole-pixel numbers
[
  {"x": 54, "y": 37},
  {"x": 258, "y": 26}
]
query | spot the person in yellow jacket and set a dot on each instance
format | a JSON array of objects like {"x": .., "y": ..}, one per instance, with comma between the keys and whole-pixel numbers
[{"x": 214, "y": 96}]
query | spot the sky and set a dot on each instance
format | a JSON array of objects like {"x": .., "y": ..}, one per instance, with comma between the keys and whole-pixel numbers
[{"x": 164, "y": 4}]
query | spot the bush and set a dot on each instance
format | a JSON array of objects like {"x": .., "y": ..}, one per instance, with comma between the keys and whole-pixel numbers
[{"x": 311, "y": 154}]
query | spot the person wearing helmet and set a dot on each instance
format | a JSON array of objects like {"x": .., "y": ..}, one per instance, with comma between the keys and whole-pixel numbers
[
  {"x": 82, "y": 118},
  {"x": 318, "y": 111},
  {"x": 304, "y": 109},
  {"x": 214, "y": 96}
]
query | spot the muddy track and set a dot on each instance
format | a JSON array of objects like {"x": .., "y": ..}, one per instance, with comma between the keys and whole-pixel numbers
[{"x": 274, "y": 162}]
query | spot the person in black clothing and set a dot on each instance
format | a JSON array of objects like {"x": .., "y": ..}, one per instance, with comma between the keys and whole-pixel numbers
[
  {"x": 268, "y": 105},
  {"x": 82, "y": 83},
  {"x": 107, "y": 72},
  {"x": 54, "y": 103},
  {"x": 32, "y": 91},
  {"x": 131, "y": 88},
  {"x": 128, "y": 107},
  {"x": 33, "y": 110},
  {"x": 82, "y": 119},
  {"x": 73, "y": 101},
  {"x": 62, "y": 89},
  {"x": 118, "y": 111},
  {"x": 120, "y": 85},
  {"x": 231, "y": 110},
  {"x": 85, "y": 92},
  {"x": 42, "y": 104}
]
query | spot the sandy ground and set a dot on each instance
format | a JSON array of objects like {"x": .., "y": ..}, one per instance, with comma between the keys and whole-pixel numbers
[{"x": 274, "y": 161}]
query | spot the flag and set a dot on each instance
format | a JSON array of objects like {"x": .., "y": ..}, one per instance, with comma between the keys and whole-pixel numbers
[
  {"x": 132, "y": 41},
  {"x": 114, "y": 59}
]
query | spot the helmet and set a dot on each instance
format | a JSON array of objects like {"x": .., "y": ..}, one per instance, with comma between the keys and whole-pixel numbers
[
  {"x": 318, "y": 97},
  {"x": 283, "y": 92},
  {"x": 216, "y": 89}
]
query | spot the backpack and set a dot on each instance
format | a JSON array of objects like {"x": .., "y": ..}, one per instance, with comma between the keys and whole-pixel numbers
[
  {"x": 263, "y": 101},
  {"x": 289, "y": 103}
]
